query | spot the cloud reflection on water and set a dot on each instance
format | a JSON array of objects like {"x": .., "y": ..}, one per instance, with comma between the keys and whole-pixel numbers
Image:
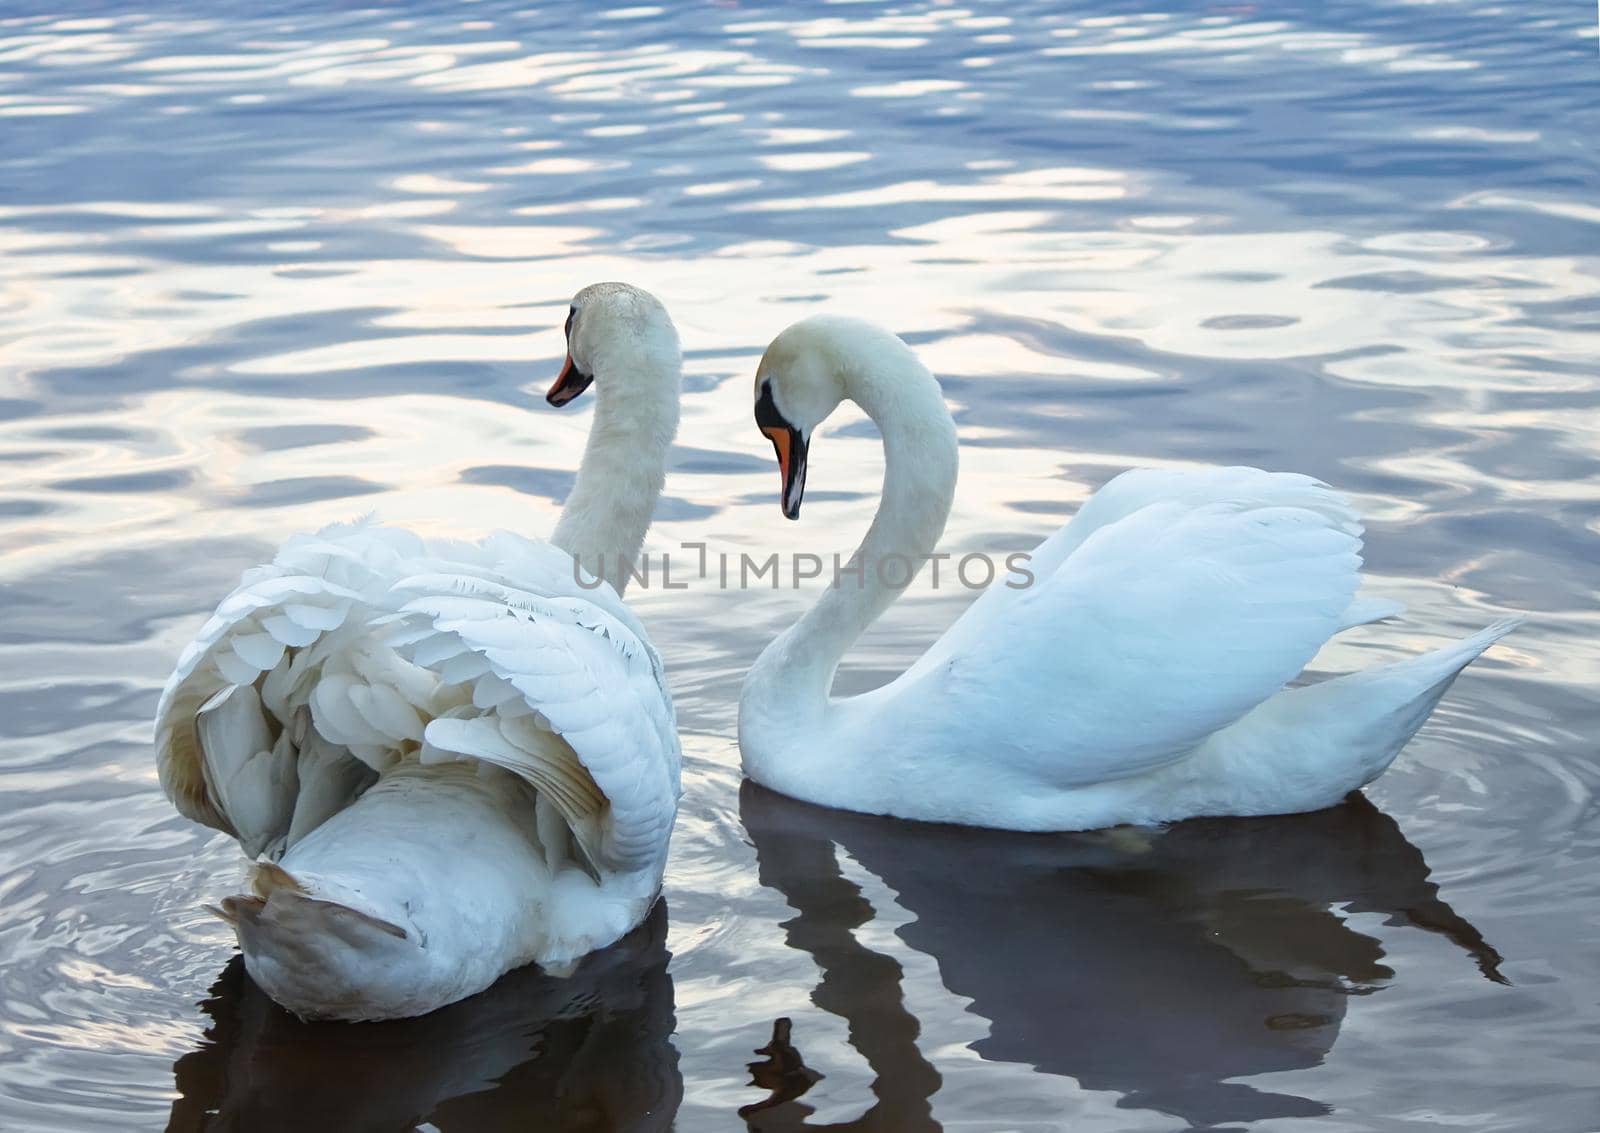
[{"x": 259, "y": 272}]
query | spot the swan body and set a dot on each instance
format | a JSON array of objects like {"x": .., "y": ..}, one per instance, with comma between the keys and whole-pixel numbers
[
  {"x": 1140, "y": 678},
  {"x": 447, "y": 759}
]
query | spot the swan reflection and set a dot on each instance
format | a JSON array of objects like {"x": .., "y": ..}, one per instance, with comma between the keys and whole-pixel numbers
[
  {"x": 1168, "y": 967},
  {"x": 590, "y": 1052}
]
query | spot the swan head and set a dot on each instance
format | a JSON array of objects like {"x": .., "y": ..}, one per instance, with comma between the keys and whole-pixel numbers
[
  {"x": 617, "y": 331},
  {"x": 807, "y": 371}
]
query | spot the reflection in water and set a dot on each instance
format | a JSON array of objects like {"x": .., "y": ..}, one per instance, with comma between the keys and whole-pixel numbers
[
  {"x": 794, "y": 849},
  {"x": 590, "y": 1052},
  {"x": 265, "y": 267},
  {"x": 1160, "y": 965},
  {"x": 785, "y": 1075}
]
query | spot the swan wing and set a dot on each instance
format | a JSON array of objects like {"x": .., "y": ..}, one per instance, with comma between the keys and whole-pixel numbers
[
  {"x": 362, "y": 645},
  {"x": 563, "y": 691},
  {"x": 1159, "y": 627},
  {"x": 233, "y": 724},
  {"x": 1139, "y": 488}
]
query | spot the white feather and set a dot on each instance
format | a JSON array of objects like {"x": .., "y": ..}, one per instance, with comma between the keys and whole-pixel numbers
[
  {"x": 435, "y": 746},
  {"x": 1139, "y": 678}
]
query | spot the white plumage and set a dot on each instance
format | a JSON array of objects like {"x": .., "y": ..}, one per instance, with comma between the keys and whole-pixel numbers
[
  {"x": 451, "y": 759},
  {"x": 389, "y": 647},
  {"x": 1140, "y": 678}
]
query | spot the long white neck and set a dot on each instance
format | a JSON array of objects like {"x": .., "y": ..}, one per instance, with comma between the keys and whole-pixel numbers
[
  {"x": 920, "y": 463},
  {"x": 605, "y": 519}
]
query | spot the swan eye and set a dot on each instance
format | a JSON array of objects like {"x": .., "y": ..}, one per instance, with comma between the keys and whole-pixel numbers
[{"x": 572, "y": 313}]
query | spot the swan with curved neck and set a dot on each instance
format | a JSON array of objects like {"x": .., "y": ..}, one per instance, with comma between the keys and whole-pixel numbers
[
  {"x": 1142, "y": 676},
  {"x": 446, "y": 760}
]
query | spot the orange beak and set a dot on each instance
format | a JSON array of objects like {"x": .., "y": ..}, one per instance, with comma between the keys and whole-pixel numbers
[
  {"x": 791, "y": 449},
  {"x": 569, "y": 383}
]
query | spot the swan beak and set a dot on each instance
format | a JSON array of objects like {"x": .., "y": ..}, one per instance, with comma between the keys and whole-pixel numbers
[
  {"x": 570, "y": 382},
  {"x": 790, "y": 446}
]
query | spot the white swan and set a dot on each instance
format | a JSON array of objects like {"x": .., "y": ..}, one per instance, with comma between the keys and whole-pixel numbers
[
  {"x": 1140, "y": 679},
  {"x": 450, "y": 759}
]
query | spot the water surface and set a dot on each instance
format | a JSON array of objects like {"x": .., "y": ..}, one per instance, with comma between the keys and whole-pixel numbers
[{"x": 263, "y": 272}]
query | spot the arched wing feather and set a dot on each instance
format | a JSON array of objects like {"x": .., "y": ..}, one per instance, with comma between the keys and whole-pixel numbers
[
  {"x": 565, "y": 695},
  {"x": 1140, "y": 488},
  {"x": 362, "y": 645},
  {"x": 321, "y": 586},
  {"x": 1158, "y": 628}
]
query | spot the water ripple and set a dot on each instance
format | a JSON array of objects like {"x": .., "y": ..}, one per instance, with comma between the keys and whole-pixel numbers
[{"x": 261, "y": 272}]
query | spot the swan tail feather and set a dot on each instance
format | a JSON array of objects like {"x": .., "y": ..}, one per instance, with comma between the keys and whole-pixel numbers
[
  {"x": 1365, "y": 611},
  {"x": 271, "y": 884},
  {"x": 267, "y": 878},
  {"x": 312, "y": 953},
  {"x": 1369, "y": 715},
  {"x": 314, "y": 916}
]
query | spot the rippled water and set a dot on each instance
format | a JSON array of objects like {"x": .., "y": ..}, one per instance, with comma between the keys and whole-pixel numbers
[{"x": 262, "y": 272}]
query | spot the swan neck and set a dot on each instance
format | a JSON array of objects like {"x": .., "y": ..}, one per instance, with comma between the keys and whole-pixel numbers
[
  {"x": 624, "y": 467},
  {"x": 920, "y": 464}
]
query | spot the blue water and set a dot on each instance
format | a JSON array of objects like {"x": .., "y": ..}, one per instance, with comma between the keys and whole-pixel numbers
[{"x": 261, "y": 272}]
